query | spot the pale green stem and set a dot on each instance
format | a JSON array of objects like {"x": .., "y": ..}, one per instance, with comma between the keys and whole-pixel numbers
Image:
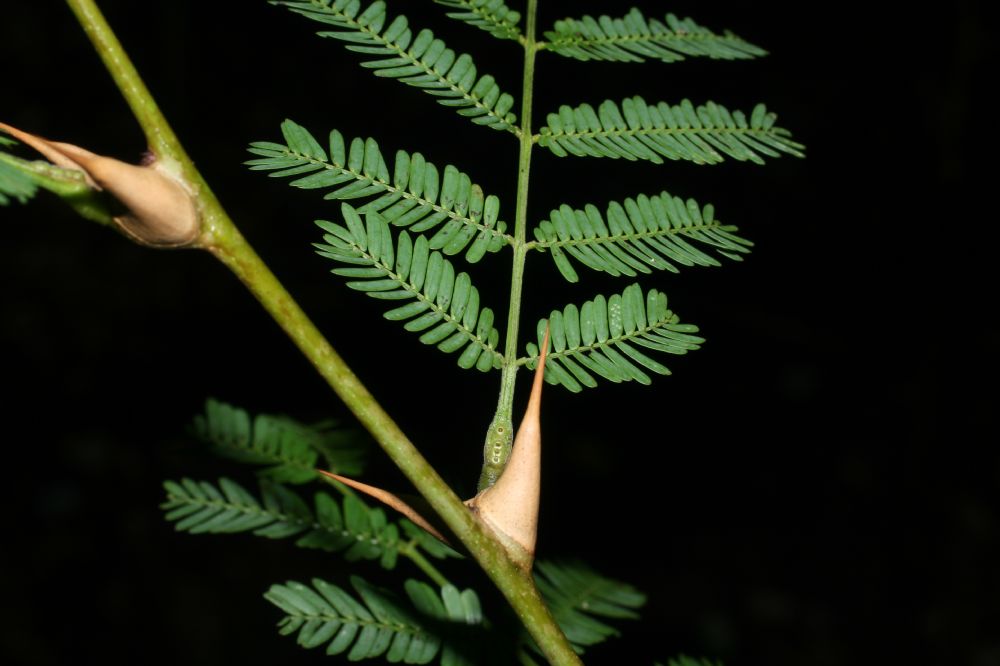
[
  {"x": 510, "y": 366},
  {"x": 413, "y": 552},
  {"x": 221, "y": 237}
]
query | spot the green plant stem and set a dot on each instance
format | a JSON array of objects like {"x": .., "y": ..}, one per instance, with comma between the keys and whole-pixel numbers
[
  {"x": 411, "y": 551},
  {"x": 160, "y": 138},
  {"x": 509, "y": 372},
  {"x": 221, "y": 237}
]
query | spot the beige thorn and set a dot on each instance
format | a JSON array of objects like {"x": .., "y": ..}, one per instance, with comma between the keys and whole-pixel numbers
[
  {"x": 510, "y": 506},
  {"x": 161, "y": 212},
  {"x": 389, "y": 500}
]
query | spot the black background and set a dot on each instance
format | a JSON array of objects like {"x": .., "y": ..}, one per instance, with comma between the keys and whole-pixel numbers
[{"x": 818, "y": 485}]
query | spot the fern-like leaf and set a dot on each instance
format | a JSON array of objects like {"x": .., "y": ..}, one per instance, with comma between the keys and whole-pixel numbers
[
  {"x": 375, "y": 624},
  {"x": 289, "y": 449},
  {"x": 415, "y": 196},
  {"x": 358, "y": 531},
  {"x": 493, "y": 16},
  {"x": 640, "y": 131},
  {"x": 645, "y": 233},
  {"x": 578, "y": 596},
  {"x": 634, "y": 38},
  {"x": 442, "y": 304},
  {"x": 600, "y": 338},
  {"x": 422, "y": 61}
]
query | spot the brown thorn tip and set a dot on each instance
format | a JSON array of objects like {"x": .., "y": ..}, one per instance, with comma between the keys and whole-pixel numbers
[{"x": 390, "y": 500}]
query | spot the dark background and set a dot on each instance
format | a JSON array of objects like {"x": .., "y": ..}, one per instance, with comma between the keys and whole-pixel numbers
[{"x": 818, "y": 485}]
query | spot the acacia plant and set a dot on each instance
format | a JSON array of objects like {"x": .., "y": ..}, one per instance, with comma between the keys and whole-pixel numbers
[{"x": 402, "y": 227}]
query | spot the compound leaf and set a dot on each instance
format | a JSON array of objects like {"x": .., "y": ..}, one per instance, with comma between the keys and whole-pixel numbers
[
  {"x": 639, "y": 131},
  {"x": 602, "y": 339},
  {"x": 443, "y": 306},
  {"x": 638, "y": 236},
  {"x": 634, "y": 38},
  {"x": 417, "y": 195},
  {"x": 420, "y": 60}
]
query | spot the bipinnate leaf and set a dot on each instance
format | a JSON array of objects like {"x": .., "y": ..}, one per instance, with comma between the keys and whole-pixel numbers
[
  {"x": 635, "y": 38},
  {"x": 636, "y": 130},
  {"x": 601, "y": 339},
  {"x": 658, "y": 232},
  {"x": 420, "y": 60},
  {"x": 417, "y": 195},
  {"x": 443, "y": 305}
]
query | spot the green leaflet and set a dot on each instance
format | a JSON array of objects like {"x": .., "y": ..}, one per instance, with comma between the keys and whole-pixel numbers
[
  {"x": 641, "y": 235},
  {"x": 493, "y": 16},
  {"x": 602, "y": 338},
  {"x": 640, "y": 131},
  {"x": 350, "y": 527},
  {"x": 443, "y": 305},
  {"x": 15, "y": 184},
  {"x": 421, "y": 61},
  {"x": 416, "y": 195},
  {"x": 376, "y": 623},
  {"x": 290, "y": 449},
  {"x": 634, "y": 38}
]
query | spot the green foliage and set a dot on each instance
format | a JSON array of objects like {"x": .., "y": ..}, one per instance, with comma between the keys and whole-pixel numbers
[
  {"x": 442, "y": 304},
  {"x": 375, "y": 624},
  {"x": 640, "y": 131},
  {"x": 684, "y": 660},
  {"x": 415, "y": 196},
  {"x": 599, "y": 339},
  {"x": 422, "y": 61},
  {"x": 578, "y": 596},
  {"x": 291, "y": 450},
  {"x": 15, "y": 185},
  {"x": 634, "y": 38},
  {"x": 493, "y": 16},
  {"x": 646, "y": 233},
  {"x": 356, "y": 530}
]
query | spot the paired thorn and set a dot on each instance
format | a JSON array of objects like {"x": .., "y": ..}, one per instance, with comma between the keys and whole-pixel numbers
[
  {"x": 161, "y": 211},
  {"x": 509, "y": 508}
]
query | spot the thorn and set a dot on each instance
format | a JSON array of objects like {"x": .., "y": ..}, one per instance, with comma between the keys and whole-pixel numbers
[
  {"x": 391, "y": 501},
  {"x": 510, "y": 506},
  {"x": 161, "y": 211}
]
